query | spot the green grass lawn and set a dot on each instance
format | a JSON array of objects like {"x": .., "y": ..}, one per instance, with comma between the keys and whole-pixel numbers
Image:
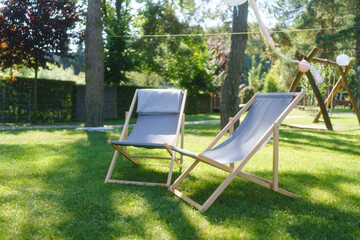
[{"x": 52, "y": 187}]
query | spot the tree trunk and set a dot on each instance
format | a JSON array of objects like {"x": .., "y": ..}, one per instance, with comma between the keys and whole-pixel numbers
[
  {"x": 230, "y": 85},
  {"x": 357, "y": 49},
  {"x": 322, "y": 32},
  {"x": 118, "y": 8},
  {"x": 94, "y": 66}
]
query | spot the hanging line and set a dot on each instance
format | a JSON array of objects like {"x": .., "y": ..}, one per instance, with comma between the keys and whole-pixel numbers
[
  {"x": 271, "y": 44},
  {"x": 224, "y": 33}
]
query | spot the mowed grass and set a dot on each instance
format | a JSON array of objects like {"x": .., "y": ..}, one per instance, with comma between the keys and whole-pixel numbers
[{"x": 52, "y": 187}]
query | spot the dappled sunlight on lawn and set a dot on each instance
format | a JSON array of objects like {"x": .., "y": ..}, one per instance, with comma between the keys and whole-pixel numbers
[{"x": 52, "y": 186}]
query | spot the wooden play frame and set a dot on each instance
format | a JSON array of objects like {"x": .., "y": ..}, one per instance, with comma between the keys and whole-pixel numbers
[
  {"x": 236, "y": 171},
  {"x": 323, "y": 105},
  {"x": 126, "y": 155}
]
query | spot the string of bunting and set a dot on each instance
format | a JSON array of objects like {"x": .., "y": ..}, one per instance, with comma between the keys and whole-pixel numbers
[{"x": 303, "y": 65}]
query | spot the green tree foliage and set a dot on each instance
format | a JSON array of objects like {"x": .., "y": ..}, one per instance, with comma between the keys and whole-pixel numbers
[
  {"x": 119, "y": 57},
  {"x": 255, "y": 76},
  {"x": 256, "y": 59},
  {"x": 271, "y": 83},
  {"x": 336, "y": 20},
  {"x": 182, "y": 61},
  {"x": 220, "y": 51},
  {"x": 334, "y": 27},
  {"x": 33, "y": 32},
  {"x": 156, "y": 19},
  {"x": 246, "y": 94},
  {"x": 189, "y": 67},
  {"x": 76, "y": 61}
]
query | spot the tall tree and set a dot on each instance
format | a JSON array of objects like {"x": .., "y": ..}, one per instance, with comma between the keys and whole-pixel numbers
[
  {"x": 94, "y": 66},
  {"x": 182, "y": 61},
  {"x": 189, "y": 67},
  {"x": 230, "y": 85},
  {"x": 356, "y": 28},
  {"x": 118, "y": 54},
  {"x": 157, "y": 18},
  {"x": 33, "y": 32}
]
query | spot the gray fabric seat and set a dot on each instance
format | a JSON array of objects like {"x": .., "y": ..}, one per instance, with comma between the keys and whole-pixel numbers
[
  {"x": 266, "y": 108},
  {"x": 262, "y": 114},
  {"x": 152, "y": 130},
  {"x": 158, "y": 118}
]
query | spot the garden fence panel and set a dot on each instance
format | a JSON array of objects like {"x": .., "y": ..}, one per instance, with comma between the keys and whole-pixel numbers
[
  {"x": 64, "y": 101},
  {"x": 55, "y": 101}
]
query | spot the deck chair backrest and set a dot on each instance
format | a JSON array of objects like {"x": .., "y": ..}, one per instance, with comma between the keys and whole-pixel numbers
[
  {"x": 265, "y": 110},
  {"x": 158, "y": 116},
  {"x": 159, "y": 101}
]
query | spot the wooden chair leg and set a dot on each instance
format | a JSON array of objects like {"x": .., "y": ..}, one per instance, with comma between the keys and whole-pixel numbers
[
  {"x": 171, "y": 169},
  {"x": 182, "y": 136},
  {"x": 112, "y": 165},
  {"x": 275, "y": 182},
  {"x": 231, "y": 131},
  {"x": 126, "y": 133},
  {"x": 183, "y": 175},
  {"x": 217, "y": 192}
]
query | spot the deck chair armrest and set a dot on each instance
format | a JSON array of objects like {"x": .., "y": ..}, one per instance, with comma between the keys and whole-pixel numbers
[
  {"x": 135, "y": 144},
  {"x": 182, "y": 151}
]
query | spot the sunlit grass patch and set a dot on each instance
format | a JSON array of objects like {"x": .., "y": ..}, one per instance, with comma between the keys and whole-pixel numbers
[{"x": 52, "y": 187}]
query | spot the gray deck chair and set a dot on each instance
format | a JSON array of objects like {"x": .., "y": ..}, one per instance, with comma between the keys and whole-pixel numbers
[
  {"x": 262, "y": 122},
  {"x": 160, "y": 121}
]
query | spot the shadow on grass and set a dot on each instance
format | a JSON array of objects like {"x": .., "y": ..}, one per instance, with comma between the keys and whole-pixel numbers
[
  {"x": 313, "y": 217},
  {"x": 95, "y": 204},
  {"x": 97, "y": 207},
  {"x": 90, "y": 209},
  {"x": 164, "y": 208},
  {"x": 342, "y": 142},
  {"x": 73, "y": 184}
]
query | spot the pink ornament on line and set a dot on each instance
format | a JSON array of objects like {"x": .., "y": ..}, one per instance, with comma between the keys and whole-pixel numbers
[{"x": 304, "y": 66}]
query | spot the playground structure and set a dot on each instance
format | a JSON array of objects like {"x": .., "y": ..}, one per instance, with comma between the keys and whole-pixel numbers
[{"x": 342, "y": 81}]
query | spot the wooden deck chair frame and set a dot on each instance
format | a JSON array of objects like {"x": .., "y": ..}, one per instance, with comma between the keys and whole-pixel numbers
[
  {"x": 126, "y": 155},
  {"x": 237, "y": 171}
]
